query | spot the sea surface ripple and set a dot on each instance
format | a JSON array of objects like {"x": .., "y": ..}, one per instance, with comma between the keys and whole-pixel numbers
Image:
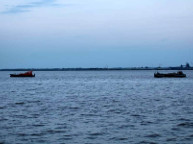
[{"x": 95, "y": 107}]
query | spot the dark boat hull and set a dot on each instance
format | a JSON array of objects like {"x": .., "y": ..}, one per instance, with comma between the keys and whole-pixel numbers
[
  {"x": 172, "y": 75},
  {"x": 15, "y": 75}
]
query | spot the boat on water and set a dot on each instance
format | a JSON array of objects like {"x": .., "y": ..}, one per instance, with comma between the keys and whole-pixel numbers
[
  {"x": 26, "y": 74},
  {"x": 178, "y": 74}
]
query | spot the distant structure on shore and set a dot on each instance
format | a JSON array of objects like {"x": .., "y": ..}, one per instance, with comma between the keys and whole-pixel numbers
[{"x": 181, "y": 67}]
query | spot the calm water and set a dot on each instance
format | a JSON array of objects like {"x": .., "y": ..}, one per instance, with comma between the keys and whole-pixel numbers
[{"x": 106, "y": 107}]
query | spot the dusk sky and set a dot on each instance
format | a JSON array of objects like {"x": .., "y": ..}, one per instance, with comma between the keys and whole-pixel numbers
[{"x": 95, "y": 33}]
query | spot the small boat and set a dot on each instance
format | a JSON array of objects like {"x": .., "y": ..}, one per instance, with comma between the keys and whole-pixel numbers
[
  {"x": 178, "y": 74},
  {"x": 26, "y": 74}
]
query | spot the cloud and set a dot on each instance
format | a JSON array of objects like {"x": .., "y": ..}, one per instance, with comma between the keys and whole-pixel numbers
[{"x": 27, "y": 7}]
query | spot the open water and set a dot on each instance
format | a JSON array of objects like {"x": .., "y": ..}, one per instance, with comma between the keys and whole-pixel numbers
[{"x": 96, "y": 107}]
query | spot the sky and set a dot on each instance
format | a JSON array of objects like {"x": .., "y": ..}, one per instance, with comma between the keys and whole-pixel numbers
[{"x": 95, "y": 33}]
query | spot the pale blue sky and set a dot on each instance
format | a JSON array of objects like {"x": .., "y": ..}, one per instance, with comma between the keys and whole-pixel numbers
[{"x": 95, "y": 33}]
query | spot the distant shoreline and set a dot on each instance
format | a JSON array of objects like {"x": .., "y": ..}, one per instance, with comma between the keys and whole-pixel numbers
[{"x": 98, "y": 69}]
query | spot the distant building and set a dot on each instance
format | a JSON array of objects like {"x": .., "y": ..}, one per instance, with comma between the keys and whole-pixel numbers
[{"x": 187, "y": 65}]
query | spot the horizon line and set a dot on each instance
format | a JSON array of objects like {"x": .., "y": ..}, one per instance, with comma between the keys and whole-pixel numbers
[{"x": 100, "y": 68}]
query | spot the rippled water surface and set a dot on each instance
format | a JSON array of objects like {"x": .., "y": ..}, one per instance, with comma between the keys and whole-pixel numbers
[{"x": 96, "y": 107}]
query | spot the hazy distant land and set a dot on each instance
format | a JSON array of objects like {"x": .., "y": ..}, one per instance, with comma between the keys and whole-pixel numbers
[{"x": 100, "y": 69}]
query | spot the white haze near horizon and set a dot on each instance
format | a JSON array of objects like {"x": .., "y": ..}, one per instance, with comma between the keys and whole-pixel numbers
[{"x": 95, "y": 33}]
